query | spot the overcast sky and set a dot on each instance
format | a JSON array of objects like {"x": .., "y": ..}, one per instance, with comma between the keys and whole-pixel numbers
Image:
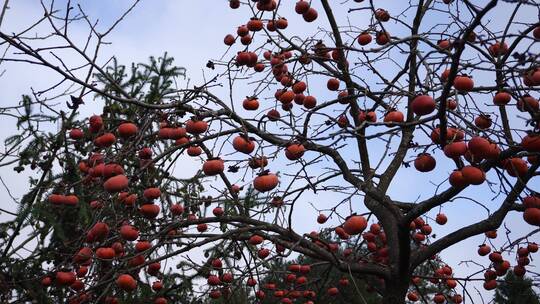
[{"x": 192, "y": 32}]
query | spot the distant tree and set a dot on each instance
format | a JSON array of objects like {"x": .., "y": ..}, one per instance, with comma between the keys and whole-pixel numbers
[
  {"x": 352, "y": 288},
  {"x": 515, "y": 290}
]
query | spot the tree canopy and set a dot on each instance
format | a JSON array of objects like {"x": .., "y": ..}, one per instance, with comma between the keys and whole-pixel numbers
[{"x": 333, "y": 152}]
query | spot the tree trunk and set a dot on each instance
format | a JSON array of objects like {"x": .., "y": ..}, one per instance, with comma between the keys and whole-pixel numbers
[
  {"x": 397, "y": 285},
  {"x": 395, "y": 292}
]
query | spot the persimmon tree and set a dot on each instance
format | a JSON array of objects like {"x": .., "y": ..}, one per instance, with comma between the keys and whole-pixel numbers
[{"x": 339, "y": 110}]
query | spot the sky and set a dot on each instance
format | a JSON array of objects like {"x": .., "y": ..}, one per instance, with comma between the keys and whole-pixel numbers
[{"x": 192, "y": 33}]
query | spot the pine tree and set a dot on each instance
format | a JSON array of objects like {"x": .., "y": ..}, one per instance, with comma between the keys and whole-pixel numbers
[{"x": 515, "y": 290}]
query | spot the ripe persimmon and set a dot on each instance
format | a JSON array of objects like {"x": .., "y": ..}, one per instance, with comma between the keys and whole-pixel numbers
[
  {"x": 423, "y": 105},
  {"x": 355, "y": 225},
  {"x": 127, "y": 129},
  {"x": 424, "y": 162},
  {"x": 129, "y": 233},
  {"x": 463, "y": 83},
  {"x": 126, "y": 282},
  {"x": 65, "y": 278},
  {"x": 364, "y": 38},
  {"x": 265, "y": 182},
  {"x": 116, "y": 183},
  {"x": 196, "y": 126},
  {"x": 213, "y": 166},
  {"x": 243, "y": 144}
]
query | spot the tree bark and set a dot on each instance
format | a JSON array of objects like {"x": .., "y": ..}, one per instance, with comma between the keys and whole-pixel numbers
[
  {"x": 397, "y": 285},
  {"x": 395, "y": 291}
]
